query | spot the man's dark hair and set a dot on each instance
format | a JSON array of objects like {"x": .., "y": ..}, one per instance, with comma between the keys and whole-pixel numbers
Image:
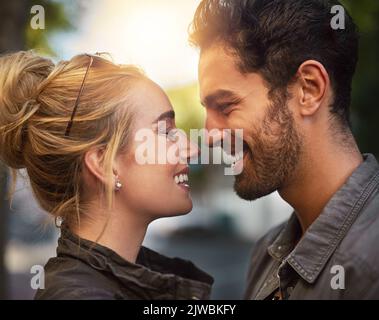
[{"x": 274, "y": 37}]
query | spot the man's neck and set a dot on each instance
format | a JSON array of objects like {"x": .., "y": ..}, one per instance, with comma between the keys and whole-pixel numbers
[{"x": 320, "y": 175}]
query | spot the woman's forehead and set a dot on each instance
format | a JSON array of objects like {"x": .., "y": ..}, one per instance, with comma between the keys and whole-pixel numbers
[{"x": 150, "y": 102}]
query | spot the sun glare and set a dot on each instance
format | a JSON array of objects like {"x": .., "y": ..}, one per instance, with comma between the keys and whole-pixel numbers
[{"x": 152, "y": 34}]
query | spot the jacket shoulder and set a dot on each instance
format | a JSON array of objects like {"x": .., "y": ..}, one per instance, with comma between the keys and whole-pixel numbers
[
  {"x": 362, "y": 239},
  {"x": 69, "y": 279}
]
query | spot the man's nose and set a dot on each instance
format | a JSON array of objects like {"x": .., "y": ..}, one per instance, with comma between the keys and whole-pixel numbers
[{"x": 213, "y": 132}]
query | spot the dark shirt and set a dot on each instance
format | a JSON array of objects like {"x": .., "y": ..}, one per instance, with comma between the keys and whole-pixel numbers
[
  {"x": 337, "y": 257},
  {"x": 88, "y": 271}
]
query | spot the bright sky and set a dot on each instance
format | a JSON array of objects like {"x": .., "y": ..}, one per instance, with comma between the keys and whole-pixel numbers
[{"x": 149, "y": 33}]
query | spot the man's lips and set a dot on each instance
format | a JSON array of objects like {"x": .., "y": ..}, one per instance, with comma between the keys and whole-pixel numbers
[{"x": 235, "y": 156}]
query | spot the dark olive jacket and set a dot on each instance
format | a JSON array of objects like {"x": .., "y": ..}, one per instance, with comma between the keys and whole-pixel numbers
[{"x": 89, "y": 271}]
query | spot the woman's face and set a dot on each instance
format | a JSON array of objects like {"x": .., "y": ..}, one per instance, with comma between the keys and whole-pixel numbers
[{"x": 159, "y": 188}]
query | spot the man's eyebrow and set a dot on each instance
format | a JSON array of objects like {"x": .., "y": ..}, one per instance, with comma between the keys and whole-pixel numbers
[
  {"x": 166, "y": 115},
  {"x": 210, "y": 100}
]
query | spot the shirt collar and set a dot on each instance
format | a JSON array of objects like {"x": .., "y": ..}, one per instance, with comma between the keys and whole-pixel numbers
[{"x": 310, "y": 255}]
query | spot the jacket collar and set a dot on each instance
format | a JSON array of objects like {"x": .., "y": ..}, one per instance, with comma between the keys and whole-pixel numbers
[
  {"x": 310, "y": 255},
  {"x": 158, "y": 276}
]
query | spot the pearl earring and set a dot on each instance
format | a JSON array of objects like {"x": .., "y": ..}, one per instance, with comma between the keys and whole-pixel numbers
[
  {"x": 118, "y": 185},
  {"x": 58, "y": 221}
]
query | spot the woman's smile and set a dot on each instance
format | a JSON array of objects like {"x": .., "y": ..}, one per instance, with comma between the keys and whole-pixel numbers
[{"x": 181, "y": 179}]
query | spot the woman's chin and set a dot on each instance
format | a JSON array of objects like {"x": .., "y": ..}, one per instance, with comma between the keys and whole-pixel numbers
[
  {"x": 183, "y": 209},
  {"x": 188, "y": 209}
]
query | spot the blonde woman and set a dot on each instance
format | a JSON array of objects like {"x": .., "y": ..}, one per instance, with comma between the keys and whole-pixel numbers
[{"x": 72, "y": 126}]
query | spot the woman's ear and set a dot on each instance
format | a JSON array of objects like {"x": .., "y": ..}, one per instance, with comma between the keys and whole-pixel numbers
[
  {"x": 93, "y": 160},
  {"x": 313, "y": 84}
]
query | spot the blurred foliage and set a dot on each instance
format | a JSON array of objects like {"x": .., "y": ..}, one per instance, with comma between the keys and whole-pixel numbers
[
  {"x": 189, "y": 114},
  {"x": 186, "y": 102},
  {"x": 57, "y": 19},
  {"x": 365, "y": 111}
]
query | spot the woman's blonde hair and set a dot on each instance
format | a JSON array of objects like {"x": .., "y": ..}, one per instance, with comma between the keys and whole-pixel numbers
[{"x": 36, "y": 103}]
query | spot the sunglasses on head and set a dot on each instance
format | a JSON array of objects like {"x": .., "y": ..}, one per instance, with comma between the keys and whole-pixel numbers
[{"x": 101, "y": 55}]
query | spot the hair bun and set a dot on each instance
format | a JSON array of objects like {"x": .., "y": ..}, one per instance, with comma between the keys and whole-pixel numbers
[{"x": 21, "y": 74}]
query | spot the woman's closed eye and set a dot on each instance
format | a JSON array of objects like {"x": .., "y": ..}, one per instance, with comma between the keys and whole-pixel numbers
[{"x": 170, "y": 133}]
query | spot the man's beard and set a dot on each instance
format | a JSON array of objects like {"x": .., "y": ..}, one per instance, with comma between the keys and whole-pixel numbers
[{"x": 273, "y": 154}]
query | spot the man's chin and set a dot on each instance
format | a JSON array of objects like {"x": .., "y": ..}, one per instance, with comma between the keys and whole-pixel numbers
[{"x": 246, "y": 190}]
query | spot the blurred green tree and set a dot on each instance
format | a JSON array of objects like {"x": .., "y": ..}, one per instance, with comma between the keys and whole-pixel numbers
[
  {"x": 57, "y": 19},
  {"x": 186, "y": 102},
  {"x": 365, "y": 112}
]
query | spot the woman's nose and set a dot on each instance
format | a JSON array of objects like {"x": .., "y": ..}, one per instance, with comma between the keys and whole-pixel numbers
[{"x": 188, "y": 150}]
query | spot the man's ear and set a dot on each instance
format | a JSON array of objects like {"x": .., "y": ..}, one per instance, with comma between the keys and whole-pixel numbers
[
  {"x": 93, "y": 160},
  {"x": 313, "y": 86}
]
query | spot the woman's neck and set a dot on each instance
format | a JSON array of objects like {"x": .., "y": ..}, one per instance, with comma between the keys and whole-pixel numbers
[{"x": 122, "y": 232}]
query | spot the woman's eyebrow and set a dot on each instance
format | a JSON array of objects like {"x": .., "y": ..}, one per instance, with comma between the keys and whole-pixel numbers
[{"x": 166, "y": 115}]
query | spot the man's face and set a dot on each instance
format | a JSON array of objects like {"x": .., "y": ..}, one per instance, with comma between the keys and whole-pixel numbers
[{"x": 234, "y": 100}]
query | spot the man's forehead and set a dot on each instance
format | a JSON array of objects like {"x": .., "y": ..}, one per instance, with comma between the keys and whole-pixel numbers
[
  {"x": 219, "y": 72},
  {"x": 215, "y": 59}
]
